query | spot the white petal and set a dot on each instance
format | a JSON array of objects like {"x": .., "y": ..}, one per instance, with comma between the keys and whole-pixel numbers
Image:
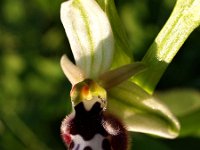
[{"x": 72, "y": 72}]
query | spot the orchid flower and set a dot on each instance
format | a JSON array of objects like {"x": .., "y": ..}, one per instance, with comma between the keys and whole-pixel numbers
[{"x": 98, "y": 43}]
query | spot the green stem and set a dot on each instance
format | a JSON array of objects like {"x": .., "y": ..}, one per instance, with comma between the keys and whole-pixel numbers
[{"x": 183, "y": 20}]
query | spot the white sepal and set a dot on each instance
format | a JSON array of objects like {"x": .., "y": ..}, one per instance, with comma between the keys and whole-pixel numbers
[{"x": 90, "y": 35}]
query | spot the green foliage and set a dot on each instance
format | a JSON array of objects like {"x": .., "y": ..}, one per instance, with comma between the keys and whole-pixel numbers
[
  {"x": 34, "y": 92},
  {"x": 185, "y": 104}
]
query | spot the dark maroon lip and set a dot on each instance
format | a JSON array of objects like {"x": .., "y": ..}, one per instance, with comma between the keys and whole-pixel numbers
[{"x": 87, "y": 123}]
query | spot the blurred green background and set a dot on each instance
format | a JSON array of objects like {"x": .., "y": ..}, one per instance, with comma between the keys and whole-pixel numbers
[{"x": 34, "y": 92}]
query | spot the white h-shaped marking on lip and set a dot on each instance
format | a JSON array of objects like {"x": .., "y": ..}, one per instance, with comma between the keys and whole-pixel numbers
[{"x": 95, "y": 143}]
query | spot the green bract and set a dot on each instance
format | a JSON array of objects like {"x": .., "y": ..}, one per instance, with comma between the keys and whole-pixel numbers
[
  {"x": 142, "y": 112},
  {"x": 183, "y": 20}
]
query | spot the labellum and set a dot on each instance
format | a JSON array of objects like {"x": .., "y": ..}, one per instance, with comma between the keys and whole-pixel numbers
[{"x": 90, "y": 126}]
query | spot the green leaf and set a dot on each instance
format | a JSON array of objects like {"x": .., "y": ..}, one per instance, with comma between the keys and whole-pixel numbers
[
  {"x": 185, "y": 104},
  {"x": 141, "y": 112},
  {"x": 183, "y": 20},
  {"x": 190, "y": 124}
]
